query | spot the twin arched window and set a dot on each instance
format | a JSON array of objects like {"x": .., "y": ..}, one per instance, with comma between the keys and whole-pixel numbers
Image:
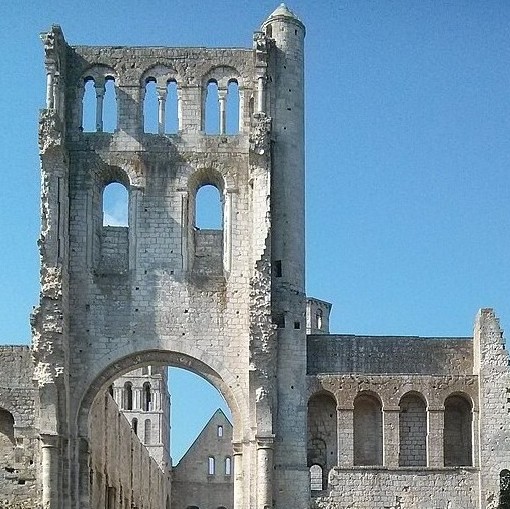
[
  {"x": 222, "y": 112},
  {"x": 99, "y": 104},
  {"x": 161, "y": 107}
]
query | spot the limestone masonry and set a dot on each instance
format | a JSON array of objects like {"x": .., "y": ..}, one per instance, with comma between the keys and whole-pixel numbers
[{"x": 319, "y": 420}]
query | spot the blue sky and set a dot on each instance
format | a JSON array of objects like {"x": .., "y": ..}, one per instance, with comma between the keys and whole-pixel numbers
[{"x": 408, "y": 160}]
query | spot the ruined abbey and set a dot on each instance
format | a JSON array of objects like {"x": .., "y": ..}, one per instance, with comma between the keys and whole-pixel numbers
[{"x": 319, "y": 420}]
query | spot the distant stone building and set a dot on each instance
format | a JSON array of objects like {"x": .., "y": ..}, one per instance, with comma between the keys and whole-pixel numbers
[{"x": 319, "y": 420}]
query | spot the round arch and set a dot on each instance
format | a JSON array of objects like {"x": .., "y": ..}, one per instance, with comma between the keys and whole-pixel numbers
[{"x": 206, "y": 367}]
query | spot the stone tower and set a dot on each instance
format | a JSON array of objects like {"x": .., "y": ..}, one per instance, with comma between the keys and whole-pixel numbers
[
  {"x": 144, "y": 399},
  {"x": 228, "y": 304}
]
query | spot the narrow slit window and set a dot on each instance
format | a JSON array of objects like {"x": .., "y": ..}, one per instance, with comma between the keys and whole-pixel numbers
[
  {"x": 171, "y": 109},
  {"x": 147, "y": 403},
  {"x": 278, "y": 268},
  {"x": 220, "y": 431},
  {"x": 134, "y": 424},
  {"x": 211, "y": 465},
  {"x": 128, "y": 396},
  {"x": 88, "y": 123},
  {"x": 208, "y": 214},
  {"x": 147, "y": 432},
  {"x": 212, "y": 109},
  {"x": 232, "y": 120},
  {"x": 228, "y": 466},
  {"x": 115, "y": 205},
  {"x": 110, "y": 106},
  {"x": 150, "y": 107},
  {"x": 318, "y": 319}
]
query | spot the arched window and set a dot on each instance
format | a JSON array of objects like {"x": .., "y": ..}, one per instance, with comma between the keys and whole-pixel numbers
[
  {"x": 212, "y": 109},
  {"x": 115, "y": 205},
  {"x": 504, "y": 489},
  {"x": 134, "y": 425},
  {"x": 150, "y": 107},
  {"x": 368, "y": 432},
  {"x": 172, "y": 124},
  {"x": 211, "y": 467},
  {"x": 228, "y": 466},
  {"x": 146, "y": 394},
  {"x": 322, "y": 433},
  {"x": 128, "y": 396},
  {"x": 316, "y": 478},
  {"x": 318, "y": 319},
  {"x": 6, "y": 428},
  {"x": 220, "y": 431},
  {"x": 232, "y": 108},
  {"x": 110, "y": 106},
  {"x": 208, "y": 208},
  {"x": 457, "y": 435},
  {"x": 147, "y": 431},
  {"x": 269, "y": 30},
  {"x": 88, "y": 122},
  {"x": 412, "y": 431}
]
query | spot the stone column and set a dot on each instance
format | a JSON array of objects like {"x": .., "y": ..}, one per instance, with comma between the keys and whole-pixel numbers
[
  {"x": 162, "y": 93},
  {"x": 83, "y": 472},
  {"x": 260, "y": 94},
  {"x": 435, "y": 456},
  {"x": 100, "y": 91},
  {"x": 49, "y": 470},
  {"x": 391, "y": 436},
  {"x": 265, "y": 472},
  {"x": 222, "y": 98},
  {"x": 237, "y": 465},
  {"x": 227, "y": 231},
  {"x": 50, "y": 91},
  {"x": 345, "y": 436}
]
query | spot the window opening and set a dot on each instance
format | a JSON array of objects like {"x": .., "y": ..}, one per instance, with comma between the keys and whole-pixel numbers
[
  {"x": 134, "y": 425},
  {"x": 368, "y": 432},
  {"x": 212, "y": 109},
  {"x": 210, "y": 465},
  {"x": 150, "y": 107},
  {"x": 115, "y": 205},
  {"x": 228, "y": 466},
  {"x": 146, "y": 397},
  {"x": 457, "y": 436},
  {"x": 278, "y": 268},
  {"x": 279, "y": 320},
  {"x": 110, "y": 106},
  {"x": 318, "y": 319},
  {"x": 504, "y": 489},
  {"x": 128, "y": 396},
  {"x": 232, "y": 107},
  {"x": 220, "y": 431},
  {"x": 171, "y": 108},
  {"x": 6, "y": 426},
  {"x": 208, "y": 208},
  {"x": 147, "y": 431},
  {"x": 88, "y": 123},
  {"x": 269, "y": 30},
  {"x": 316, "y": 478}
]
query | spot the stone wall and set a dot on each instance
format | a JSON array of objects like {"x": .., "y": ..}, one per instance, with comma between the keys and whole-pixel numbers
[
  {"x": 120, "y": 466},
  {"x": 19, "y": 446},
  {"x": 389, "y": 354},
  {"x": 400, "y": 489}
]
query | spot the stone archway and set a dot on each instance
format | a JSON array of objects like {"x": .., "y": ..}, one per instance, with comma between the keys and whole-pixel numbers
[{"x": 232, "y": 395}]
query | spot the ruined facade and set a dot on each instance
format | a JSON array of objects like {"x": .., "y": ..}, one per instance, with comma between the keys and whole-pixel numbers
[{"x": 330, "y": 421}]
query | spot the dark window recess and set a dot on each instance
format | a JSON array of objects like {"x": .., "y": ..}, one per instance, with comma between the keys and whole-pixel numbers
[
  {"x": 278, "y": 268},
  {"x": 279, "y": 320},
  {"x": 297, "y": 325}
]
